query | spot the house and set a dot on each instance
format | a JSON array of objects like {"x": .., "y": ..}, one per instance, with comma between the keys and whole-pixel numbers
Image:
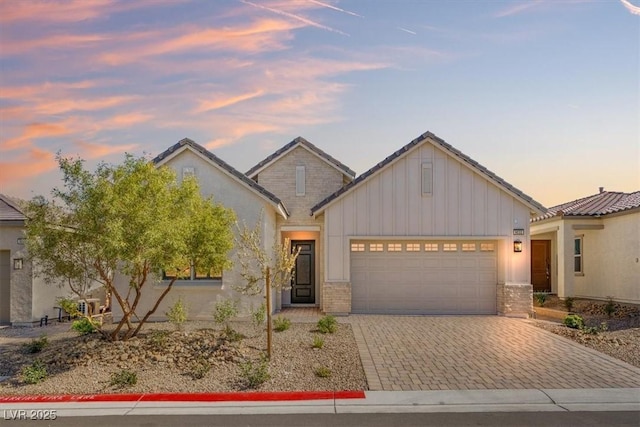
[
  {"x": 589, "y": 248},
  {"x": 428, "y": 230}
]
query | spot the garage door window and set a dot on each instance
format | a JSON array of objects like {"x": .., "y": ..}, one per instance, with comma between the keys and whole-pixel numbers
[
  {"x": 394, "y": 247},
  {"x": 487, "y": 247},
  {"x": 357, "y": 247},
  {"x": 450, "y": 247},
  {"x": 431, "y": 247},
  {"x": 413, "y": 247},
  {"x": 468, "y": 247},
  {"x": 375, "y": 247}
]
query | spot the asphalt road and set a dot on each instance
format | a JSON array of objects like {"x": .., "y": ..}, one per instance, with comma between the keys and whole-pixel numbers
[{"x": 559, "y": 419}]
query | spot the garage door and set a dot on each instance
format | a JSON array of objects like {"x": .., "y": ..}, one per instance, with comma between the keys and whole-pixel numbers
[{"x": 424, "y": 277}]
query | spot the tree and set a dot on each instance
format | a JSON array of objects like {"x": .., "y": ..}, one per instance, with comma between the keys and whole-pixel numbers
[
  {"x": 132, "y": 220},
  {"x": 263, "y": 272}
]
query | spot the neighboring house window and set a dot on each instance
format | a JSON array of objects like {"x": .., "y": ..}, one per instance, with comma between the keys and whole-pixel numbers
[
  {"x": 300, "y": 181},
  {"x": 427, "y": 179},
  {"x": 375, "y": 247},
  {"x": 450, "y": 247},
  {"x": 394, "y": 247},
  {"x": 431, "y": 247},
  {"x": 188, "y": 171},
  {"x": 413, "y": 247},
  {"x": 487, "y": 247},
  {"x": 193, "y": 273},
  {"x": 357, "y": 247},
  {"x": 468, "y": 247},
  {"x": 577, "y": 255}
]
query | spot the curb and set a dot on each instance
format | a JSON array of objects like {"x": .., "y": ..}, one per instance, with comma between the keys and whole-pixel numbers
[{"x": 256, "y": 396}]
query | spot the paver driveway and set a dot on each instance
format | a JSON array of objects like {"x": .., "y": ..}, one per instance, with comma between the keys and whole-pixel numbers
[{"x": 478, "y": 352}]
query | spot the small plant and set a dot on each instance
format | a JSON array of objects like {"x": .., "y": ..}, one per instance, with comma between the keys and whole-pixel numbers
[
  {"x": 568, "y": 303},
  {"x": 574, "y": 321},
  {"x": 328, "y": 324},
  {"x": 224, "y": 310},
  {"x": 540, "y": 298},
  {"x": 123, "y": 378},
  {"x": 36, "y": 345},
  {"x": 158, "y": 338},
  {"x": 281, "y": 324},
  {"x": 322, "y": 372},
  {"x": 177, "y": 313},
  {"x": 200, "y": 369},
  {"x": 69, "y": 305},
  {"x": 83, "y": 326},
  {"x": 232, "y": 335},
  {"x": 604, "y": 327},
  {"x": 34, "y": 373},
  {"x": 318, "y": 342},
  {"x": 610, "y": 307},
  {"x": 255, "y": 374},
  {"x": 591, "y": 330},
  {"x": 259, "y": 315}
]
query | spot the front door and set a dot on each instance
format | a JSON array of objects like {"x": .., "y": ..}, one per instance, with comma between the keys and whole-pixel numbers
[
  {"x": 541, "y": 265},
  {"x": 304, "y": 278}
]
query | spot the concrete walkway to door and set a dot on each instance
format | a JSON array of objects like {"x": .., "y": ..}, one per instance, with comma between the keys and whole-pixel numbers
[{"x": 478, "y": 352}]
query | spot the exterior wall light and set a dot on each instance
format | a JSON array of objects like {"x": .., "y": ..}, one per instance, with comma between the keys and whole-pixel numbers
[
  {"x": 17, "y": 264},
  {"x": 517, "y": 246}
]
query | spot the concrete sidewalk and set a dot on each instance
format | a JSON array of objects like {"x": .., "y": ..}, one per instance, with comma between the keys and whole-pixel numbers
[{"x": 531, "y": 400}]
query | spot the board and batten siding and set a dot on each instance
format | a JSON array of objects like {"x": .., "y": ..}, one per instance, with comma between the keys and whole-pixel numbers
[{"x": 463, "y": 204}]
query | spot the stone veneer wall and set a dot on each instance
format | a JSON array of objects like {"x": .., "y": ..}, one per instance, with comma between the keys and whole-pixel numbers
[
  {"x": 515, "y": 299},
  {"x": 336, "y": 298}
]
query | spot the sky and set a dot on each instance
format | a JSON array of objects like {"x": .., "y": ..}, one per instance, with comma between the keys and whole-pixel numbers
[{"x": 546, "y": 94}]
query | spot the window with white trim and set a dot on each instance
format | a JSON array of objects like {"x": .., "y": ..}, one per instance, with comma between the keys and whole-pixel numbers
[
  {"x": 188, "y": 171},
  {"x": 413, "y": 247},
  {"x": 427, "y": 179},
  {"x": 487, "y": 247},
  {"x": 431, "y": 247},
  {"x": 376, "y": 247},
  {"x": 394, "y": 247},
  {"x": 468, "y": 247},
  {"x": 357, "y": 247},
  {"x": 192, "y": 272},
  {"x": 577, "y": 255},
  {"x": 450, "y": 247},
  {"x": 300, "y": 181}
]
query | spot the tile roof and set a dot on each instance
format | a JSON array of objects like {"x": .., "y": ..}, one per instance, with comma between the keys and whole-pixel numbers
[
  {"x": 452, "y": 151},
  {"x": 225, "y": 166},
  {"x": 301, "y": 141},
  {"x": 603, "y": 203},
  {"x": 9, "y": 209}
]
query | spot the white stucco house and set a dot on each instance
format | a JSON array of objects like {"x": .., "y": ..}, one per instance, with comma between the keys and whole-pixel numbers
[
  {"x": 589, "y": 248},
  {"x": 427, "y": 230}
]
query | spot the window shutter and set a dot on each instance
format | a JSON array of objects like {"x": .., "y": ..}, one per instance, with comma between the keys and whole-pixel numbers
[
  {"x": 427, "y": 179},
  {"x": 300, "y": 181}
]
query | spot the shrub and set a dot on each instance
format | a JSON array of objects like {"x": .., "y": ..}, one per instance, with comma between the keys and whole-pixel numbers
[
  {"x": 568, "y": 303},
  {"x": 158, "y": 338},
  {"x": 224, "y": 310},
  {"x": 610, "y": 307},
  {"x": 322, "y": 372},
  {"x": 199, "y": 369},
  {"x": 69, "y": 305},
  {"x": 232, "y": 335},
  {"x": 259, "y": 315},
  {"x": 318, "y": 341},
  {"x": 83, "y": 326},
  {"x": 574, "y": 321},
  {"x": 328, "y": 324},
  {"x": 177, "y": 313},
  {"x": 540, "y": 298},
  {"x": 281, "y": 324},
  {"x": 36, "y": 345},
  {"x": 255, "y": 374},
  {"x": 34, "y": 373},
  {"x": 123, "y": 378}
]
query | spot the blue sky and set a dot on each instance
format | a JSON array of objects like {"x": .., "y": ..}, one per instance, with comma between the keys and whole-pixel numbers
[{"x": 545, "y": 94}]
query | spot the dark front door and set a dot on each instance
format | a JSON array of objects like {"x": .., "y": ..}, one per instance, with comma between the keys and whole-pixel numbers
[
  {"x": 304, "y": 278},
  {"x": 541, "y": 265}
]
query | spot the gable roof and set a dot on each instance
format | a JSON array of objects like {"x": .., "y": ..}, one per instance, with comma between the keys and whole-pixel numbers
[
  {"x": 230, "y": 170},
  {"x": 529, "y": 201},
  {"x": 9, "y": 210},
  {"x": 300, "y": 141},
  {"x": 603, "y": 203}
]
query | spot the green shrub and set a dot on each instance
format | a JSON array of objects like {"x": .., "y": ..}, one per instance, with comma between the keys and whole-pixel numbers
[
  {"x": 540, "y": 298},
  {"x": 36, "y": 345},
  {"x": 328, "y": 324},
  {"x": 232, "y": 335},
  {"x": 568, "y": 303},
  {"x": 322, "y": 372},
  {"x": 123, "y": 378},
  {"x": 177, "y": 313},
  {"x": 259, "y": 315},
  {"x": 199, "y": 369},
  {"x": 83, "y": 326},
  {"x": 318, "y": 341},
  {"x": 255, "y": 374},
  {"x": 610, "y": 307},
  {"x": 281, "y": 324},
  {"x": 34, "y": 373},
  {"x": 158, "y": 338},
  {"x": 224, "y": 310},
  {"x": 69, "y": 305},
  {"x": 574, "y": 321}
]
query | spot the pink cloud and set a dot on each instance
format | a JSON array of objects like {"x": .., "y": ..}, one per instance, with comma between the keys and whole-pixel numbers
[
  {"x": 227, "y": 101},
  {"x": 34, "y": 131},
  {"x": 92, "y": 150},
  {"x": 32, "y": 163}
]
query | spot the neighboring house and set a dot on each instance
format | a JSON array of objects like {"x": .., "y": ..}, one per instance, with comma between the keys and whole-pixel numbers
[
  {"x": 589, "y": 248},
  {"x": 427, "y": 230}
]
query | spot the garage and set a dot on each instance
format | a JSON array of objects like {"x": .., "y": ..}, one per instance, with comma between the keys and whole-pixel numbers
[{"x": 424, "y": 277}]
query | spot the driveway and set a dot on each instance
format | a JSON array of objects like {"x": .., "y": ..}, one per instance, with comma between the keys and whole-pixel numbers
[{"x": 478, "y": 352}]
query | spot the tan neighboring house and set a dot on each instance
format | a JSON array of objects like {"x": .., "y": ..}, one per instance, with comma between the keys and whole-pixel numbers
[
  {"x": 426, "y": 231},
  {"x": 589, "y": 248}
]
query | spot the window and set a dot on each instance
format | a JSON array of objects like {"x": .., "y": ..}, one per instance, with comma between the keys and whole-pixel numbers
[
  {"x": 394, "y": 247},
  {"x": 450, "y": 247},
  {"x": 300, "y": 181},
  {"x": 357, "y": 247},
  {"x": 431, "y": 247},
  {"x": 413, "y": 247},
  {"x": 188, "y": 171},
  {"x": 487, "y": 247},
  {"x": 577, "y": 255},
  {"x": 192, "y": 273},
  {"x": 427, "y": 179},
  {"x": 468, "y": 247},
  {"x": 375, "y": 247}
]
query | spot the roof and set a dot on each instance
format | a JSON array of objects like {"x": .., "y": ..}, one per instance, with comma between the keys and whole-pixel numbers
[
  {"x": 603, "y": 203},
  {"x": 251, "y": 173},
  {"x": 450, "y": 150},
  {"x": 226, "y": 167},
  {"x": 9, "y": 209}
]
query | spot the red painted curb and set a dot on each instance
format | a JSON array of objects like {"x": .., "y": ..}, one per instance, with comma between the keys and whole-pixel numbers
[{"x": 255, "y": 396}]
